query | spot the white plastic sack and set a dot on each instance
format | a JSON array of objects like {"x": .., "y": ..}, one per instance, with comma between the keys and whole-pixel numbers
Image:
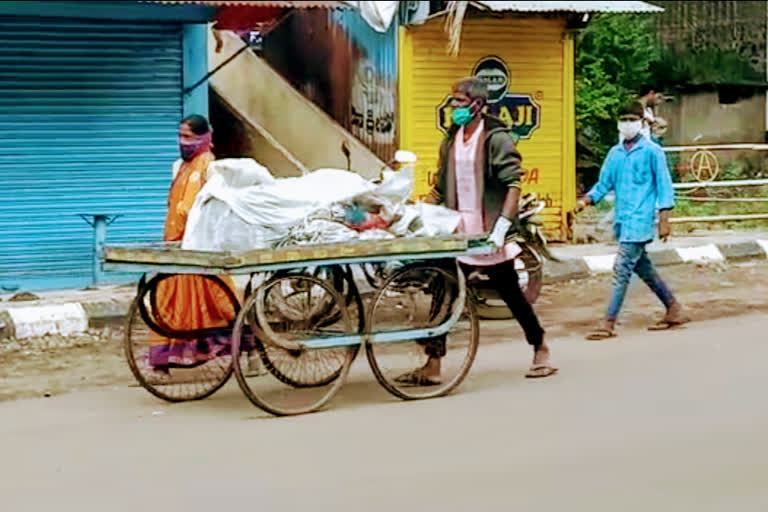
[
  {"x": 397, "y": 186},
  {"x": 243, "y": 207},
  {"x": 318, "y": 231},
  {"x": 436, "y": 220},
  {"x": 259, "y": 216},
  {"x": 240, "y": 172}
]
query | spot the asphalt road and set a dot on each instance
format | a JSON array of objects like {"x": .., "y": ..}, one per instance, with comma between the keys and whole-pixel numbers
[{"x": 672, "y": 421}]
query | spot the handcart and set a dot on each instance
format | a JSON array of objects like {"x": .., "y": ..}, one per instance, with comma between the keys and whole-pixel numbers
[{"x": 304, "y": 319}]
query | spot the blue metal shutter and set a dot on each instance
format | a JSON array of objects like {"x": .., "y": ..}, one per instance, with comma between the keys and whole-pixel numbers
[{"x": 88, "y": 119}]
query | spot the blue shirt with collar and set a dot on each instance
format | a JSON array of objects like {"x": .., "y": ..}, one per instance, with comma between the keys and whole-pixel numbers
[{"x": 641, "y": 181}]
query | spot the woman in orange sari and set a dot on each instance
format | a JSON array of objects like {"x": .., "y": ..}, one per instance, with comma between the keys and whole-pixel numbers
[{"x": 190, "y": 302}]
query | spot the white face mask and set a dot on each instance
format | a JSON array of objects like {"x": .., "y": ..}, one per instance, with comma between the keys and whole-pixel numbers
[{"x": 629, "y": 129}]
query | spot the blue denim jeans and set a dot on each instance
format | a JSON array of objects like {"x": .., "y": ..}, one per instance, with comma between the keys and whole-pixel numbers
[{"x": 633, "y": 258}]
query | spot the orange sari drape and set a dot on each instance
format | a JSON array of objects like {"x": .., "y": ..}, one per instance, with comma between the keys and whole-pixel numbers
[{"x": 190, "y": 302}]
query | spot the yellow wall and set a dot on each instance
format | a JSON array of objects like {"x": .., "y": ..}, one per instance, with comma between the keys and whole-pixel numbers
[{"x": 539, "y": 56}]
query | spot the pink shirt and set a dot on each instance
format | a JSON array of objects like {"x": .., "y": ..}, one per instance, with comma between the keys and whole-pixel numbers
[{"x": 470, "y": 199}]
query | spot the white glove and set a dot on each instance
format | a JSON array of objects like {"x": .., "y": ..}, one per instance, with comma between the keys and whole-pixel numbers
[{"x": 499, "y": 232}]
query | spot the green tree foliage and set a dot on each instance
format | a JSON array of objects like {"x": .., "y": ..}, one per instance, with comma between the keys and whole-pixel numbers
[
  {"x": 684, "y": 69},
  {"x": 615, "y": 56}
]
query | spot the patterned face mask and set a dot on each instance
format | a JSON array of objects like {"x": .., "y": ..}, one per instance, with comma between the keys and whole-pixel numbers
[{"x": 200, "y": 144}]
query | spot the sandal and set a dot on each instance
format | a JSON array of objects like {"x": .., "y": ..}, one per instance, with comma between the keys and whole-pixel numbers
[
  {"x": 538, "y": 371},
  {"x": 417, "y": 378},
  {"x": 602, "y": 333},
  {"x": 665, "y": 325}
]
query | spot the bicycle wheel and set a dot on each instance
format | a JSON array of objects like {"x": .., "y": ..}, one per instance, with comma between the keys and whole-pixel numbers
[
  {"x": 422, "y": 296},
  {"x": 275, "y": 319},
  {"x": 208, "y": 350}
]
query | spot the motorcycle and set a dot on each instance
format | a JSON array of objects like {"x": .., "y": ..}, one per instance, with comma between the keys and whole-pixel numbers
[
  {"x": 529, "y": 263},
  {"x": 526, "y": 232}
]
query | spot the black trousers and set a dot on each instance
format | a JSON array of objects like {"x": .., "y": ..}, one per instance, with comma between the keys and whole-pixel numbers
[{"x": 505, "y": 280}]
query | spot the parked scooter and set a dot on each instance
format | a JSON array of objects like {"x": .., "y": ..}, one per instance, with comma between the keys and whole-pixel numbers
[{"x": 526, "y": 232}]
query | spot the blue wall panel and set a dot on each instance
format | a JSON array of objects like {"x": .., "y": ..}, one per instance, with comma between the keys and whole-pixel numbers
[{"x": 88, "y": 119}]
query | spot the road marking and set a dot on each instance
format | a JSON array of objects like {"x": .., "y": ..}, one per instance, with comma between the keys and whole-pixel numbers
[
  {"x": 64, "y": 319},
  {"x": 701, "y": 254},
  {"x": 600, "y": 264}
]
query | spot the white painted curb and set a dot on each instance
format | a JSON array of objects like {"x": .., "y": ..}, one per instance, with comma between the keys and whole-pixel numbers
[
  {"x": 63, "y": 319},
  {"x": 700, "y": 254},
  {"x": 600, "y": 264}
]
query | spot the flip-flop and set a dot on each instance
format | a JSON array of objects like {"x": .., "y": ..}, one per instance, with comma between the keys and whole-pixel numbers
[
  {"x": 416, "y": 378},
  {"x": 664, "y": 325},
  {"x": 601, "y": 334},
  {"x": 539, "y": 371}
]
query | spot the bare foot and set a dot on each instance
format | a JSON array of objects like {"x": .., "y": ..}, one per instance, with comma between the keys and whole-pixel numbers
[
  {"x": 432, "y": 368},
  {"x": 675, "y": 315},
  {"x": 427, "y": 375},
  {"x": 541, "y": 354}
]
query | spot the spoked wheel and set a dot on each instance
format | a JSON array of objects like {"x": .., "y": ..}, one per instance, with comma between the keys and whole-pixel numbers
[
  {"x": 206, "y": 353},
  {"x": 422, "y": 297},
  {"x": 530, "y": 272},
  {"x": 276, "y": 318},
  {"x": 283, "y": 304}
]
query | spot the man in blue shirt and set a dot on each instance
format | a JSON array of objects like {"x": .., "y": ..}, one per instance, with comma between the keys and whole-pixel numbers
[{"x": 636, "y": 171}]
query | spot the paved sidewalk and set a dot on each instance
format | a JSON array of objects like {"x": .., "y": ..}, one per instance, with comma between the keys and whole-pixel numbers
[
  {"x": 65, "y": 312},
  {"x": 581, "y": 261}
]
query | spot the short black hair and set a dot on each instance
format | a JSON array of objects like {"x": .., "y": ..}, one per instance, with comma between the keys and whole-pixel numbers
[
  {"x": 198, "y": 124},
  {"x": 646, "y": 88},
  {"x": 632, "y": 108}
]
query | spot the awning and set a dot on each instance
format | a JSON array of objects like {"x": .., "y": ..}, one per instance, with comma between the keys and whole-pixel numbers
[
  {"x": 266, "y": 3},
  {"x": 251, "y": 15}
]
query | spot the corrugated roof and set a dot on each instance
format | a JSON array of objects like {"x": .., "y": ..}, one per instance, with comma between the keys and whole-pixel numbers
[
  {"x": 264, "y": 3},
  {"x": 570, "y": 6}
]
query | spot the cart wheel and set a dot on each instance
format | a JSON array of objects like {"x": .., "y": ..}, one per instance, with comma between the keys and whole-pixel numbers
[
  {"x": 421, "y": 297},
  {"x": 280, "y": 313},
  {"x": 376, "y": 273},
  {"x": 338, "y": 277},
  {"x": 282, "y": 363},
  {"x": 174, "y": 384}
]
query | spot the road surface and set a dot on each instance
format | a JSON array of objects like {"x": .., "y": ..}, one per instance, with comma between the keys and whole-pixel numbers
[{"x": 671, "y": 421}]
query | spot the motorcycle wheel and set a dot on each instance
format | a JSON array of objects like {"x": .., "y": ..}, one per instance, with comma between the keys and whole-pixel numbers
[{"x": 530, "y": 270}]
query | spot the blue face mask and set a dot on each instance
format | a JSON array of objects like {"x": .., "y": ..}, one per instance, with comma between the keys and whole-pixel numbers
[{"x": 462, "y": 116}]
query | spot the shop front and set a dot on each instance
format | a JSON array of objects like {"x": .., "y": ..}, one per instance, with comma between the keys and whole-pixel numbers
[{"x": 527, "y": 58}]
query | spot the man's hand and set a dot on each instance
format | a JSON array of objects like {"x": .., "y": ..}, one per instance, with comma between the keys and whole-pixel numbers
[
  {"x": 582, "y": 203},
  {"x": 664, "y": 227},
  {"x": 499, "y": 232}
]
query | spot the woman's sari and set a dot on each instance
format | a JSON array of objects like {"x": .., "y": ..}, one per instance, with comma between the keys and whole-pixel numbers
[{"x": 189, "y": 302}]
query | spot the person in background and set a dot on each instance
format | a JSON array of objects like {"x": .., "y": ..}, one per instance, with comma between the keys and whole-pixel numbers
[
  {"x": 479, "y": 175},
  {"x": 190, "y": 302},
  {"x": 654, "y": 127},
  {"x": 636, "y": 171}
]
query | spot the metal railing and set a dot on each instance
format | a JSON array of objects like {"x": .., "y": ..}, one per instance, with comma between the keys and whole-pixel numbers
[{"x": 705, "y": 168}]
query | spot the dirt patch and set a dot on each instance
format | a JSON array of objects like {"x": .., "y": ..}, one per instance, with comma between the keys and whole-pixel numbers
[
  {"x": 54, "y": 365},
  {"x": 707, "y": 291},
  {"x": 57, "y": 365}
]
